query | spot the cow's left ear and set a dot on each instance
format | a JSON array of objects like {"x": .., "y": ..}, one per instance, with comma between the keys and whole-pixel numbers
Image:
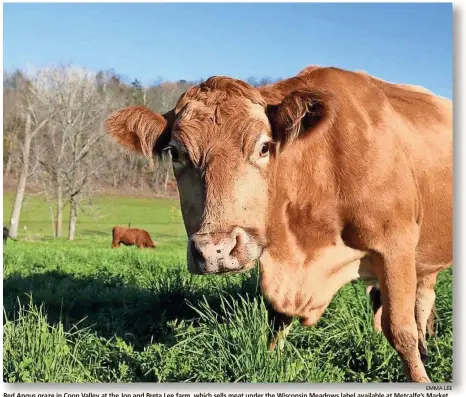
[
  {"x": 301, "y": 113},
  {"x": 139, "y": 129}
]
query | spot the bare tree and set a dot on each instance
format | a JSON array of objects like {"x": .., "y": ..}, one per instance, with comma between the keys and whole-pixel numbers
[
  {"x": 79, "y": 102},
  {"x": 33, "y": 117},
  {"x": 67, "y": 151},
  {"x": 12, "y": 123},
  {"x": 85, "y": 163}
]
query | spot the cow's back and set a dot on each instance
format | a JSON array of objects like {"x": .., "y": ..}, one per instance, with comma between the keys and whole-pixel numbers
[{"x": 124, "y": 235}]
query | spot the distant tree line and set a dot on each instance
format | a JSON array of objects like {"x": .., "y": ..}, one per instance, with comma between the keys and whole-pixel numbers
[{"x": 54, "y": 143}]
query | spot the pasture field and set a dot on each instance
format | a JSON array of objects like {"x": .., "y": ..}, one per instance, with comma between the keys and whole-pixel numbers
[{"x": 83, "y": 312}]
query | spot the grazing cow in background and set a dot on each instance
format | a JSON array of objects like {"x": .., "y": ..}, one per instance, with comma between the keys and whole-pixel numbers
[
  {"x": 6, "y": 235},
  {"x": 324, "y": 178},
  {"x": 131, "y": 236}
]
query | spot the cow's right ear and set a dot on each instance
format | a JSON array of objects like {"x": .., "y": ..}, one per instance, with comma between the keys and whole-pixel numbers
[
  {"x": 301, "y": 113},
  {"x": 140, "y": 129}
]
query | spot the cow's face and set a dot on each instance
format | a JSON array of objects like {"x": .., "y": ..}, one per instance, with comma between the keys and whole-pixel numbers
[
  {"x": 224, "y": 152},
  {"x": 221, "y": 158}
]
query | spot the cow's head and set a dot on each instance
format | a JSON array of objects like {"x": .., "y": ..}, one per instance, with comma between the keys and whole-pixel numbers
[{"x": 224, "y": 139}]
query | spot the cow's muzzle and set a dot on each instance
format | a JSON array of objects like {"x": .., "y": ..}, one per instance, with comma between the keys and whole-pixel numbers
[{"x": 214, "y": 253}]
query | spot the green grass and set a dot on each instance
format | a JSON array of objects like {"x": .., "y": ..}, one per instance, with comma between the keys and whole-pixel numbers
[
  {"x": 83, "y": 312},
  {"x": 161, "y": 217}
]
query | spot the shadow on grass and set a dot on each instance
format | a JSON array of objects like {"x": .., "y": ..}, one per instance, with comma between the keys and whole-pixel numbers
[{"x": 112, "y": 308}]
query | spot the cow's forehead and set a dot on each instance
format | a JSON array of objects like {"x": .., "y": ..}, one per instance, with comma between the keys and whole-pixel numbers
[
  {"x": 221, "y": 111},
  {"x": 219, "y": 96},
  {"x": 230, "y": 117},
  {"x": 235, "y": 124}
]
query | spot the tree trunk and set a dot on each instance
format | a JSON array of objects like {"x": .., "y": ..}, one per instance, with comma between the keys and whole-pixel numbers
[
  {"x": 73, "y": 218},
  {"x": 6, "y": 172},
  {"x": 58, "y": 227},
  {"x": 15, "y": 213},
  {"x": 166, "y": 180},
  {"x": 50, "y": 206}
]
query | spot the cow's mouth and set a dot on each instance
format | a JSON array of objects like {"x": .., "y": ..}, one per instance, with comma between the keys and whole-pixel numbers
[
  {"x": 199, "y": 265},
  {"x": 228, "y": 272}
]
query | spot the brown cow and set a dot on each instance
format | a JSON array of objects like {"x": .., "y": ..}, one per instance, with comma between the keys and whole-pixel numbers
[
  {"x": 325, "y": 177},
  {"x": 131, "y": 236}
]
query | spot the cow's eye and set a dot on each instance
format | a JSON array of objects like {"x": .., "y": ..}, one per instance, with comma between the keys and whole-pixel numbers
[
  {"x": 264, "y": 150},
  {"x": 174, "y": 153}
]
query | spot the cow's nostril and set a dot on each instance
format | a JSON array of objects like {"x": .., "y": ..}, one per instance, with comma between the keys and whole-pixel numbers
[
  {"x": 234, "y": 250},
  {"x": 218, "y": 251},
  {"x": 196, "y": 253}
]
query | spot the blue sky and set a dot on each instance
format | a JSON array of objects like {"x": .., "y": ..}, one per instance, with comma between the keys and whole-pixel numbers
[{"x": 406, "y": 43}]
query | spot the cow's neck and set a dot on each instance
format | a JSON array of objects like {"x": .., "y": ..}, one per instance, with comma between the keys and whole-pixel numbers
[{"x": 306, "y": 261}]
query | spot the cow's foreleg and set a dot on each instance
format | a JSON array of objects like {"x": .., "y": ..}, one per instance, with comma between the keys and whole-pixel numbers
[
  {"x": 281, "y": 325},
  {"x": 425, "y": 300},
  {"x": 397, "y": 280}
]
